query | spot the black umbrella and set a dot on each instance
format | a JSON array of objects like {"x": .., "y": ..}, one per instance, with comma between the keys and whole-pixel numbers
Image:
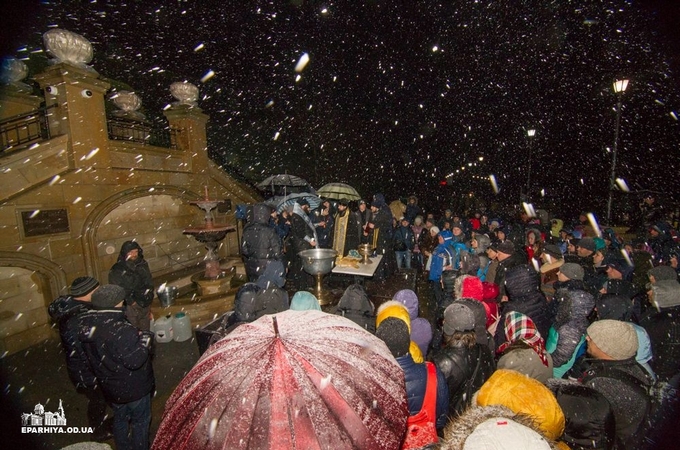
[{"x": 284, "y": 184}]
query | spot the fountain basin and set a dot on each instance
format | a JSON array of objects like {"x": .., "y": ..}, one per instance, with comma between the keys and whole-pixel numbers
[{"x": 213, "y": 285}]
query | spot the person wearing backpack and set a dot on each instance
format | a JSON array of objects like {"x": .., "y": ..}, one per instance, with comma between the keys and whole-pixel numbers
[
  {"x": 613, "y": 371},
  {"x": 426, "y": 388}
]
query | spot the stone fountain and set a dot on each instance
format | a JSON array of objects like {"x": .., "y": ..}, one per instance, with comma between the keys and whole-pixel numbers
[{"x": 213, "y": 280}]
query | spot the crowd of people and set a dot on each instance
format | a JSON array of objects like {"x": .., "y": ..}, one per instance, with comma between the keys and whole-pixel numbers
[
  {"x": 545, "y": 333},
  {"x": 590, "y": 320}
]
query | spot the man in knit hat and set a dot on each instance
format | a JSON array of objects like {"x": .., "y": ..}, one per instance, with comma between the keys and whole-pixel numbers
[
  {"x": 394, "y": 332},
  {"x": 613, "y": 370},
  {"x": 119, "y": 356},
  {"x": 65, "y": 310}
]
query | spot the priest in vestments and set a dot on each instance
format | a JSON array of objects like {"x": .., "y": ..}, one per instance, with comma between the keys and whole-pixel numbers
[{"x": 347, "y": 230}]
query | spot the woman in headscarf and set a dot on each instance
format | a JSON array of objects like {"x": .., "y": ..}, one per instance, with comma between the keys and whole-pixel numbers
[{"x": 524, "y": 348}]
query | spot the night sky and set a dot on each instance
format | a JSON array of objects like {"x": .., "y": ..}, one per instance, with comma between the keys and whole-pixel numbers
[{"x": 398, "y": 95}]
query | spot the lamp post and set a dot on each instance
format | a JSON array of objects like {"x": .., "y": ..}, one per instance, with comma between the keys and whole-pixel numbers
[
  {"x": 619, "y": 88},
  {"x": 530, "y": 134}
]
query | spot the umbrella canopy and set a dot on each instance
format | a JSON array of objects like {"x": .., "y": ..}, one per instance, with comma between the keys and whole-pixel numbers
[
  {"x": 284, "y": 184},
  {"x": 313, "y": 201},
  {"x": 338, "y": 191},
  {"x": 294, "y": 380}
]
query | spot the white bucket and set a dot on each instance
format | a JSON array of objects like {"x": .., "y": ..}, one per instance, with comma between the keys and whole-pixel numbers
[
  {"x": 163, "y": 330},
  {"x": 181, "y": 325}
]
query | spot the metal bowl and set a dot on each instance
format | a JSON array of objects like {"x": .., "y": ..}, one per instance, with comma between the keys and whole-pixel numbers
[{"x": 318, "y": 261}]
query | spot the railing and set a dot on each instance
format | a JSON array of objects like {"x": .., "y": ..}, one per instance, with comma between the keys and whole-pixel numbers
[
  {"x": 24, "y": 129},
  {"x": 142, "y": 133}
]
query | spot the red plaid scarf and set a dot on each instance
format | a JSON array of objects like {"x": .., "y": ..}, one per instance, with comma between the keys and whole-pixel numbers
[{"x": 520, "y": 328}]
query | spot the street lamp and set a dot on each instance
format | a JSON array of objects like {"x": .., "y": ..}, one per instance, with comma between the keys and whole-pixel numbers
[
  {"x": 619, "y": 88},
  {"x": 530, "y": 134}
]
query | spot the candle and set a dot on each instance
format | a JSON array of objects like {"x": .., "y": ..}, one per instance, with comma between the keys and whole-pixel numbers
[{"x": 206, "y": 192}]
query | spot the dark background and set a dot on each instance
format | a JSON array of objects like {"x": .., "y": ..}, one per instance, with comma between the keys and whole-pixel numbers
[{"x": 378, "y": 108}]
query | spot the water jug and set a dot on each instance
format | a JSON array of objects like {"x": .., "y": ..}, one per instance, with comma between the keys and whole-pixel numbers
[
  {"x": 163, "y": 330},
  {"x": 181, "y": 325}
]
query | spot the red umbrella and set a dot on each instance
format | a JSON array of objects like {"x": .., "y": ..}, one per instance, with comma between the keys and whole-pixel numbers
[{"x": 294, "y": 380}]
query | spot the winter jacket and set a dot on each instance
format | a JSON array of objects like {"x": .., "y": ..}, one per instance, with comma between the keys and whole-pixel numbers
[
  {"x": 117, "y": 354},
  {"x": 662, "y": 322},
  {"x": 133, "y": 275},
  {"x": 355, "y": 306},
  {"x": 415, "y": 376},
  {"x": 486, "y": 427},
  {"x": 522, "y": 286},
  {"x": 260, "y": 243},
  {"x": 442, "y": 256},
  {"x": 571, "y": 322},
  {"x": 514, "y": 260},
  {"x": 590, "y": 423},
  {"x": 457, "y": 363},
  {"x": 404, "y": 239},
  {"x": 625, "y": 384},
  {"x": 64, "y": 311}
]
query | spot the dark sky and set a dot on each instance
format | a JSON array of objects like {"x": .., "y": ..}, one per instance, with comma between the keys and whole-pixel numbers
[{"x": 395, "y": 98}]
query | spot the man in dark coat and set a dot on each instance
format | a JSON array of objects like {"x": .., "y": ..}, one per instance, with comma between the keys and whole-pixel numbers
[
  {"x": 364, "y": 216},
  {"x": 404, "y": 241},
  {"x": 381, "y": 226},
  {"x": 614, "y": 373},
  {"x": 662, "y": 322},
  {"x": 260, "y": 244},
  {"x": 65, "y": 311},
  {"x": 302, "y": 237},
  {"x": 465, "y": 364},
  {"x": 523, "y": 287},
  {"x": 132, "y": 273},
  {"x": 507, "y": 258},
  {"x": 120, "y": 358},
  {"x": 394, "y": 332}
]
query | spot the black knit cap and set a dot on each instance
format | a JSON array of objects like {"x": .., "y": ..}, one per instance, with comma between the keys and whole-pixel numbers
[
  {"x": 394, "y": 332},
  {"x": 108, "y": 296},
  {"x": 82, "y": 286}
]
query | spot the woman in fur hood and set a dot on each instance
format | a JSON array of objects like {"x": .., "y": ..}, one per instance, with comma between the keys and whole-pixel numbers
[{"x": 494, "y": 427}]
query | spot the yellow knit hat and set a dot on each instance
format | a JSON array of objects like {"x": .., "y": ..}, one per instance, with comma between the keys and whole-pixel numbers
[
  {"x": 398, "y": 310},
  {"x": 393, "y": 308}
]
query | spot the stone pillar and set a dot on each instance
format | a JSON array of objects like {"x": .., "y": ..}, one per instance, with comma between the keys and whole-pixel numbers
[
  {"x": 78, "y": 94},
  {"x": 190, "y": 121}
]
